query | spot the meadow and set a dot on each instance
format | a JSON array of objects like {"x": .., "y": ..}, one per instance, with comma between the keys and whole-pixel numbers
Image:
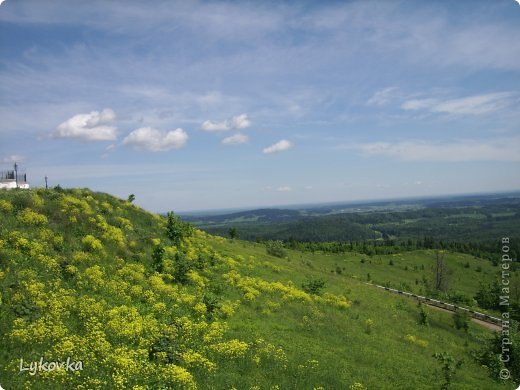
[{"x": 148, "y": 302}]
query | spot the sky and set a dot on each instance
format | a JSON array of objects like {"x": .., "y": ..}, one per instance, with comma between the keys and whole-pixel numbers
[{"x": 199, "y": 105}]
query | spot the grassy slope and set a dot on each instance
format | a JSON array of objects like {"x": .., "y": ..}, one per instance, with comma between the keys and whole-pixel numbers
[{"x": 63, "y": 295}]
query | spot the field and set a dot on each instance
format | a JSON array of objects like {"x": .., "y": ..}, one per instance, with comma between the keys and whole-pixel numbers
[{"x": 146, "y": 302}]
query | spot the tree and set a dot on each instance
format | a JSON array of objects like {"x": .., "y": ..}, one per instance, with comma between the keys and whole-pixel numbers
[
  {"x": 441, "y": 272},
  {"x": 461, "y": 320},
  {"x": 157, "y": 258},
  {"x": 275, "y": 248},
  {"x": 131, "y": 198},
  {"x": 313, "y": 286},
  {"x": 423, "y": 316},
  {"x": 176, "y": 230},
  {"x": 233, "y": 232},
  {"x": 449, "y": 366}
]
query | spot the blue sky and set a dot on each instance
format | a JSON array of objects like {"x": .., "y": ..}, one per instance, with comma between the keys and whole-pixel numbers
[{"x": 203, "y": 105}]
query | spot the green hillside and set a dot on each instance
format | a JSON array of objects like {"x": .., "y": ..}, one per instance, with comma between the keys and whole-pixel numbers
[{"x": 146, "y": 302}]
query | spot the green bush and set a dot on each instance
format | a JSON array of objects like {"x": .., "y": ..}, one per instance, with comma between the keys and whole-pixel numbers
[
  {"x": 461, "y": 320},
  {"x": 313, "y": 286},
  {"x": 275, "y": 248}
]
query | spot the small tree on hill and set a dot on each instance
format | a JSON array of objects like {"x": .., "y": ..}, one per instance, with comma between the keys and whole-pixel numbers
[
  {"x": 448, "y": 366},
  {"x": 461, "y": 320},
  {"x": 423, "y": 316},
  {"x": 275, "y": 248},
  {"x": 441, "y": 272},
  {"x": 176, "y": 230},
  {"x": 157, "y": 258},
  {"x": 313, "y": 286},
  {"x": 233, "y": 232}
]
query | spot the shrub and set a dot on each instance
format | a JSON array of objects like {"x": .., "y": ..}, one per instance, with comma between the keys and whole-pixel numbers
[
  {"x": 6, "y": 206},
  {"x": 448, "y": 366},
  {"x": 157, "y": 258},
  {"x": 313, "y": 286},
  {"x": 91, "y": 243},
  {"x": 29, "y": 217},
  {"x": 182, "y": 266},
  {"x": 275, "y": 248},
  {"x": 461, "y": 320},
  {"x": 368, "y": 326},
  {"x": 423, "y": 316},
  {"x": 176, "y": 230}
]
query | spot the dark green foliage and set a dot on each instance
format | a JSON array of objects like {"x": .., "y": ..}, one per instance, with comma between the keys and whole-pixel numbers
[
  {"x": 182, "y": 266},
  {"x": 423, "y": 316},
  {"x": 26, "y": 309},
  {"x": 158, "y": 258},
  {"x": 456, "y": 225},
  {"x": 233, "y": 232},
  {"x": 275, "y": 248},
  {"x": 131, "y": 198},
  {"x": 448, "y": 367},
  {"x": 488, "y": 296},
  {"x": 167, "y": 345},
  {"x": 212, "y": 302},
  {"x": 502, "y": 352},
  {"x": 176, "y": 230},
  {"x": 461, "y": 320},
  {"x": 313, "y": 286}
]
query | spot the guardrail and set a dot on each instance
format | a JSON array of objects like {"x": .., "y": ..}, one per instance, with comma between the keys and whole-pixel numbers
[{"x": 444, "y": 305}]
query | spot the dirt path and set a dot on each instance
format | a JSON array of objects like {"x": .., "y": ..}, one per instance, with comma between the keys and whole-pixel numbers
[
  {"x": 489, "y": 325},
  {"x": 427, "y": 301}
]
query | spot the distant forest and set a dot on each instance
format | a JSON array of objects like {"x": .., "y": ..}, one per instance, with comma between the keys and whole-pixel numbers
[{"x": 469, "y": 225}]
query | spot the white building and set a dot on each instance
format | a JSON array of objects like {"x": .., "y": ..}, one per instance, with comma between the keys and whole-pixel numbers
[{"x": 13, "y": 179}]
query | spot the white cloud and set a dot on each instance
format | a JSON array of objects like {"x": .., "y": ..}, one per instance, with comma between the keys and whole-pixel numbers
[
  {"x": 280, "y": 146},
  {"x": 471, "y": 105},
  {"x": 284, "y": 189},
  {"x": 153, "y": 140},
  {"x": 505, "y": 149},
  {"x": 235, "y": 139},
  {"x": 234, "y": 123},
  {"x": 382, "y": 97},
  {"x": 240, "y": 122},
  {"x": 215, "y": 126},
  {"x": 13, "y": 158},
  {"x": 418, "y": 104},
  {"x": 89, "y": 127}
]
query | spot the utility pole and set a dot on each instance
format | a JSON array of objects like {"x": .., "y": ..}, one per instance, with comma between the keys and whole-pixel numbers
[
  {"x": 46, "y": 186},
  {"x": 16, "y": 174}
]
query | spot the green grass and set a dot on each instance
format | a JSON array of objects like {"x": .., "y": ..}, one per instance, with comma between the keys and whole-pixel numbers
[
  {"x": 350, "y": 354},
  {"x": 239, "y": 320}
]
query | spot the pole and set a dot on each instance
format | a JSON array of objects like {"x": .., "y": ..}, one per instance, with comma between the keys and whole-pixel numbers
[
  {"x": 46, "y": 186},
  {"x": 16, "y": 174}
]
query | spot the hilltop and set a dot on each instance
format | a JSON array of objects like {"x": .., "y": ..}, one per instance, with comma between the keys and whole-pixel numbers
[{"x": 146, "y": 301}]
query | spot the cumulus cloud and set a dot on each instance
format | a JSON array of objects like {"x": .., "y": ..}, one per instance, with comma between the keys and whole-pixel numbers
[
  {"x": 94, "y": 126},
  {"x": 235, "y": 139},
  {"x": 280, "y": 146},
  {"x": 236, "y": 122},
  {"x": 471, "y": 105},
  {"x": 497, "y": 150},
  {"x": 153, "y": 140}
]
